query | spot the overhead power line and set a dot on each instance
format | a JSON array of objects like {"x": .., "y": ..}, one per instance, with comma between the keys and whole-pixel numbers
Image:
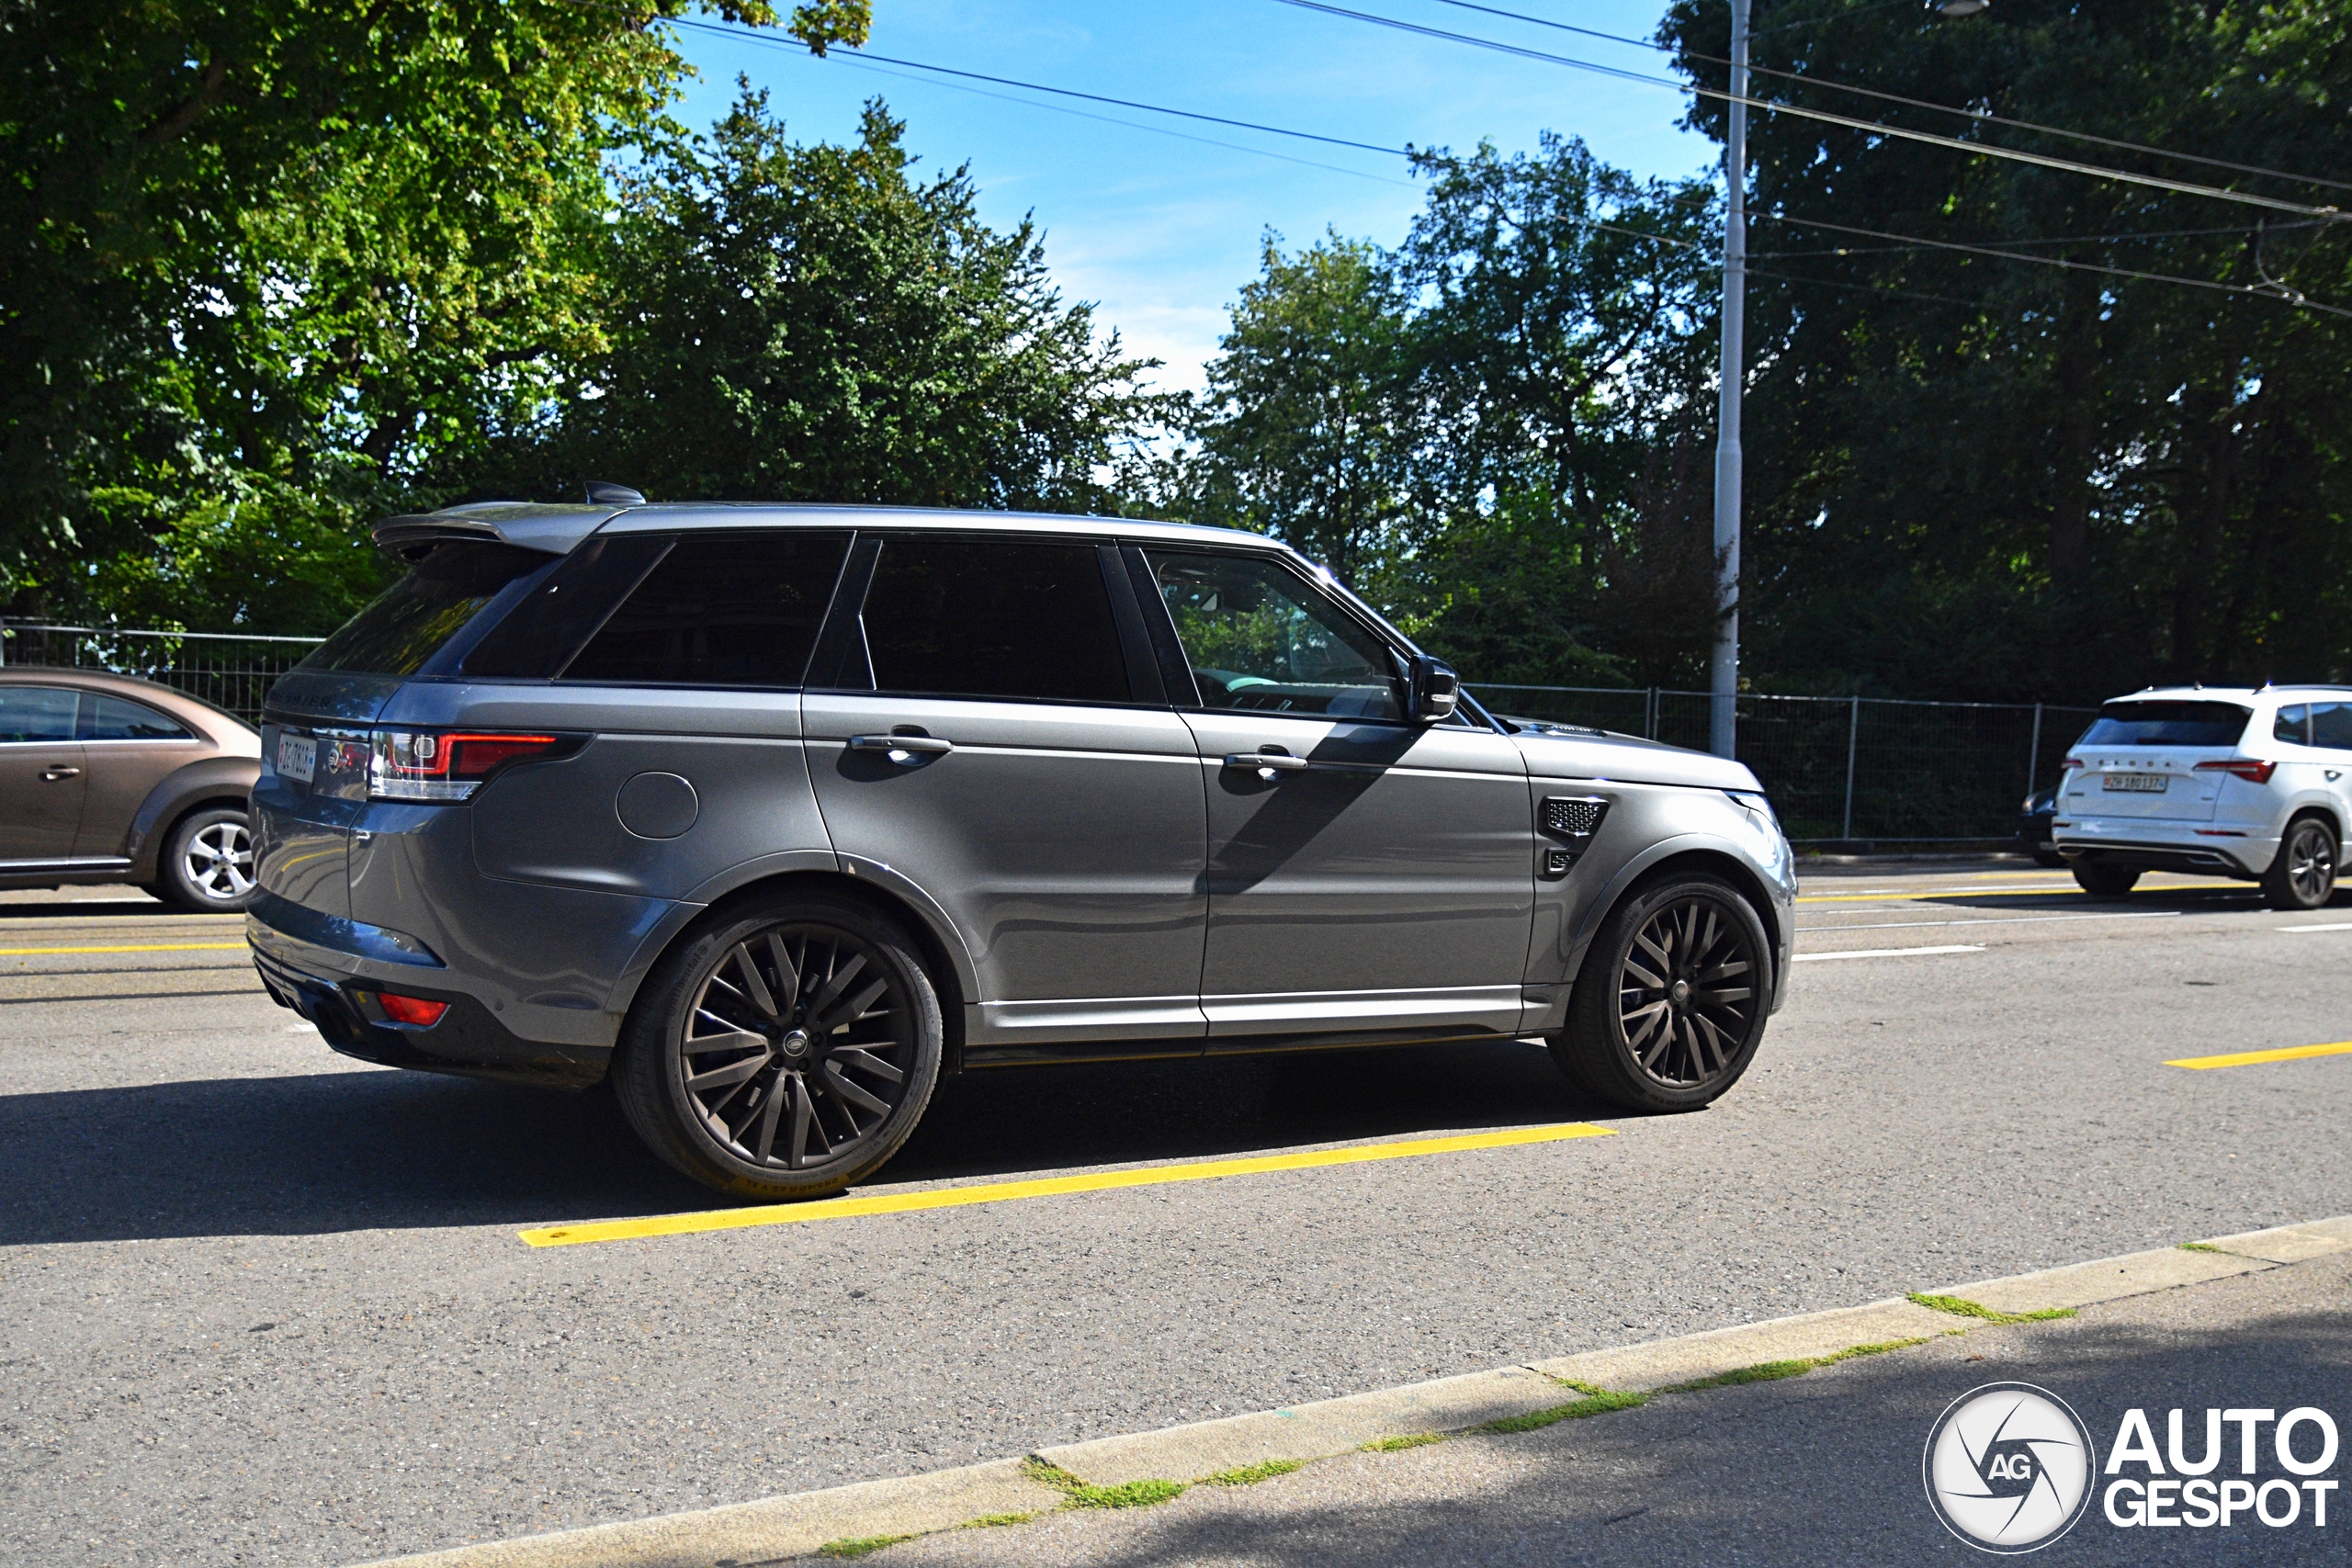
[
  {"x": 1874, "y": 127},
  {"x": 1971, "y": 115},
  {"x": 1602, "y": 225}
]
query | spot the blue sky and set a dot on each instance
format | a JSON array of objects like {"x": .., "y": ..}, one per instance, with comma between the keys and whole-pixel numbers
[{"x": 1159, "y": 231}]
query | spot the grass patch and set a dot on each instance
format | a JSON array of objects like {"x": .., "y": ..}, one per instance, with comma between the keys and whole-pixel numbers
[
  {"x": 860, "y": 1546},
  {"x": 1251, "y": 1475},
  {"x": 1959, "y": 1307},
  {"x": 1599, "y": 1402},
  {"x": 1769, "y": 1372},
  {"x": 1126, "y": 1494},
  {"x": 1053, "y": 1475},
  {"x": 995, "y": 1521},
  {"x": 2199, "y": 1247},
  {"x": 1398, "y": 1445}
]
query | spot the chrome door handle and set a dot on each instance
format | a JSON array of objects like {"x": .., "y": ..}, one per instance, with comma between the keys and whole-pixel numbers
[
  {"x": 53, "y": 774},
  {"x": 1266, "y": 761},
  {"x": 904, "y": 750}
]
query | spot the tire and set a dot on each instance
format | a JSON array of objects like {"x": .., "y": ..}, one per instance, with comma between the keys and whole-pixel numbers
[
  {"x": 2302, "y": 874},
  {"x": 2103, "y": 881},
  {"x": 798, "y": 1099},
  {"x": 2050, "y": 858},
  {"x": 207, "y": 862},
  {"x": 1639, "y": 976}
]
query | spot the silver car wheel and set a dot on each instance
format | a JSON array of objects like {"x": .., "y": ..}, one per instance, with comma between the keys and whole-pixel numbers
[
  {"x": 797, "y": 1048},
  {"x": 218, "y": 860},
  {"x": 1686, "y": 992}
]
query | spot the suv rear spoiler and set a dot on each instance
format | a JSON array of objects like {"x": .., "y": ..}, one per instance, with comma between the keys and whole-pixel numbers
[{"x": 552, "y": 529}]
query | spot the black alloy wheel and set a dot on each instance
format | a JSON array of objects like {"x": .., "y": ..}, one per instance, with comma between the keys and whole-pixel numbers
[
  {"x": 1671, "y": 1005},
  {"x": 2303, "y": 874},
  {"x": 784, "y": 1053}
]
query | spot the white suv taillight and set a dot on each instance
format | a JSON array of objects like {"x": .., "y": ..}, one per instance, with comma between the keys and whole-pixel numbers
[
  {"x": 425, "y": 764},
  {"x": 2243, "y": 767}
]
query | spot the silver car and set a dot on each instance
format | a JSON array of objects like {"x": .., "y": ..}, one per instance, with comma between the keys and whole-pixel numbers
[{"x": 771, "y": 815}]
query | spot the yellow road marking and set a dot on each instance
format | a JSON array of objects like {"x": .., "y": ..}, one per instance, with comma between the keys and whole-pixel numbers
[
  {"x": 2249, "y": 1058},
  {"x": 1002, "y": 1192},
  {"x": 155, "y": 947},
  {"x": 1944, "y": 893}
]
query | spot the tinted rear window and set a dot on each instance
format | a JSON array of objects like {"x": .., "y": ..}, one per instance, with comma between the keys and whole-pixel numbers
[
  {"x": 2168, "y": 724},
  {"x": 734, "y": 609},
  {"x": 117, "y": 719},
  {"x": 994, "y": 618},
  {"x": 416, "y": 616},
  {"x": 539, "y": 635}
]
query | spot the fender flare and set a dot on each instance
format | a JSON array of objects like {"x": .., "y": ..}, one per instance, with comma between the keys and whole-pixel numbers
[
  {"x": 207, "y": 778},
  {"x": 1641, "y": 865}
]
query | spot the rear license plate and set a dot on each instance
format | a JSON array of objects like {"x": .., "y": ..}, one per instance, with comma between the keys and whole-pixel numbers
[
  {"x": 297, "y": 757},
  {"x": 2141, "y": 783}
]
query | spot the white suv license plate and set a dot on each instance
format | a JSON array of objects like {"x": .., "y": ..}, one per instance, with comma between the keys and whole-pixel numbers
[
  {"x": 297, "y": 757},
  {"x": 2139, "y": 783}
]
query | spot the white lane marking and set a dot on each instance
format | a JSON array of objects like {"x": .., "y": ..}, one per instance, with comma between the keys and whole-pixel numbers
[
  {"x": 2339, "y": 926},
  {"x": 2028, "y": 919},
  {"x": 1882, "y": 953}
]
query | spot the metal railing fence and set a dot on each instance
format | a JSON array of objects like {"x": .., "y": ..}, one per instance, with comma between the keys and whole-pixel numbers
[
  {"x": 1848, "y": 769},
  {"x": 232, "y": 671},
  {"x": 1839, "y": 769}
]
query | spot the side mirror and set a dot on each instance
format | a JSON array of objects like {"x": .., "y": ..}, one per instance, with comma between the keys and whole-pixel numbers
[{"x": 1435, "y": 690}]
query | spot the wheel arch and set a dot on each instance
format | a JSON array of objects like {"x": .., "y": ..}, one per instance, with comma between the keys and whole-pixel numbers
[
  {"x": 200, "y": 786},
  {"x": 1668, "y": 861},
  {"x": 942, "y": 950}
]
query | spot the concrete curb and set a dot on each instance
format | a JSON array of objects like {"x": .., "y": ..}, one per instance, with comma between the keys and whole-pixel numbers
[{"x": 746, "y": 1535}]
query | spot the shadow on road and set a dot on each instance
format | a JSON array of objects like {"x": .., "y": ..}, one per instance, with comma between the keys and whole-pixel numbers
[{"x": 390, "y": 1150}]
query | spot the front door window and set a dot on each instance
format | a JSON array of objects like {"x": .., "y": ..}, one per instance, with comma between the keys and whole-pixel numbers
[{"x": 1259, "y": 639}]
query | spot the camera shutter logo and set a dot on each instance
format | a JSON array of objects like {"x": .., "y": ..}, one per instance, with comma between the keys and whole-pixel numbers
[{"x": 2008, "y": 1467}]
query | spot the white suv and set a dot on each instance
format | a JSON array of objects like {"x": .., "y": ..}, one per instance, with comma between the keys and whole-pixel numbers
[{"x": 2225, "y": 781}]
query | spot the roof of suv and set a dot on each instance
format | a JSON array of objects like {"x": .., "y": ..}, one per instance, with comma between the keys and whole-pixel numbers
[
  {"x": 2224, "y": 693},
  {"x": 558, "y": 528}
]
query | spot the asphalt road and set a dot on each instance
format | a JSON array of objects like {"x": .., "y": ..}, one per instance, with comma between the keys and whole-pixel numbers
[{"x": 260, "y": 1304}]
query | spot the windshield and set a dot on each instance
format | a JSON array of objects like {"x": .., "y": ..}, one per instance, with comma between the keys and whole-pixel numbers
[
  {"x": 409, "y": 623},
  {"x": 2168, "y": 724}
]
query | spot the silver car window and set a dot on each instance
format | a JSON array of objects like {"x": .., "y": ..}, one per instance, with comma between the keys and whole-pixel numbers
[{"x": 1259, "y": 638}]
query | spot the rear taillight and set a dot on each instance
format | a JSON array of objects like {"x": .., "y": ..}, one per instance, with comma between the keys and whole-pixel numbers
[
  {"x": 2072, "y": 762},
  {"x": 2245, "y": 768},
  {"x": 422, "y": 764},
  {"x": 411, "y": 1009}
]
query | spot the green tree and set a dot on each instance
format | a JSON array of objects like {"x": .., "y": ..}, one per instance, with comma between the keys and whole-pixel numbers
[
  {"x": 796, "y": 323},
  {"x": 1974, "y": 478},
  {"x": 309, "y": 242}
]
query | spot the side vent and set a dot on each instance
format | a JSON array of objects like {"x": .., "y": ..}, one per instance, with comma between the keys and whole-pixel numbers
[{"x": 1572, "y": 820}]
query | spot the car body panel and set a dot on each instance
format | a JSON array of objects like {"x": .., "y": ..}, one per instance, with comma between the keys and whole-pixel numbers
[{"x": 1065, "y": 862}]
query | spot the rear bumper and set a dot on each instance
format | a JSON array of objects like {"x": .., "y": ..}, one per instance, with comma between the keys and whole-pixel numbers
[
  {"x": 2208, "y": 849},
  {"x": 331, "y": 972}
]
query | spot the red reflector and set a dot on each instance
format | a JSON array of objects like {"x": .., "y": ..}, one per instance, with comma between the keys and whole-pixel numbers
[
  {"x": 411, "y": 1009},
  {"x": 2072, "y": 762},
  {"x": 2245, "y": 768}
]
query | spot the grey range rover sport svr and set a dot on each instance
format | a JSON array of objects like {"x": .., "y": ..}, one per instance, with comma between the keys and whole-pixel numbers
[{"x": 771, "y": 815}]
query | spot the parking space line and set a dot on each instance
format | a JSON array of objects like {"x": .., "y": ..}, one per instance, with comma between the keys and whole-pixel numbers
[
  {"x": 1882, "y": 953},
  {"x": 2339, "y": 926},
  {"x": 2251, "y": 1058},
  {"x": 144, "y": 947},
  {"x": 1002, "y": 1192}
]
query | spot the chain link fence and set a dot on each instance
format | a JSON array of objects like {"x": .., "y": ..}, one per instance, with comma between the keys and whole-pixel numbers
[
  {"x": 231, "y": 670},
  {"x": 1850, "y": 769}
]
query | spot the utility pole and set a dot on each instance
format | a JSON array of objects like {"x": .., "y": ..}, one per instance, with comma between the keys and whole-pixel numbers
[{"x": 1724, "y": 665}]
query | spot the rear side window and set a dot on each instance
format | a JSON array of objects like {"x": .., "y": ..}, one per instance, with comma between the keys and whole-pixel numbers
[
  {"x": 117, "y": 719},
  {"x": 2332, "y": 725},
  {"x": 733, "y": 609},
  {"x": 411, "y": 620},
  {"x": 2292, "y": 724},
  {"x": 2168, "y": 724},
  {"x": 538, "y": 638},
  {"x": 36, "y": 714},
  {"x": 965, "y": 618}
]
